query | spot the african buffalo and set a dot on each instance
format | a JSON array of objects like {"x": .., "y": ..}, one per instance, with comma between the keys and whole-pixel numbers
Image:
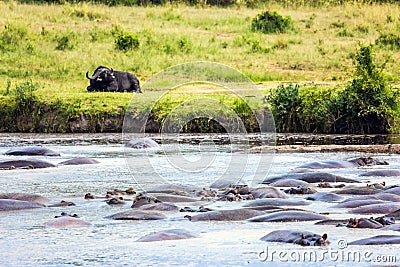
[{"x": 107, "y": 80}]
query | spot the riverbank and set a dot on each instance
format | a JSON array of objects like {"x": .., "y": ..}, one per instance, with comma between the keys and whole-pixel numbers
[{"x": 43, "y": 84}]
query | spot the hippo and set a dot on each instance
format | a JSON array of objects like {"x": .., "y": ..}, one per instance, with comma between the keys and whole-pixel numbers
[
  {"x": 79, "y": 161},
  {"x": 381, "y": 196},
  {"x": 182, "y": 190},
  {"x": 303, "y": 238},
  {"x": 276, "y": 202},
  {"x": 378, "y": 240},
  {"x": 67, "y": 222},
  {"x": 381, "y": 208},
  {"x": 199, "y": 209},
  {"x": 325, "y": 197},
  {"x": 159, "y": 206},
  {"x": 12, "y": 204},
  {"x": 142, "y": 143},
  {"x": 115, "y": 201},
  {"x": 173, "y": 198},
  {"x": 394, "y": 190},
  {"x": 311, "y": 177},
  {"x": 268, "y": 192},
  {"x": 359, "y": 202},
  {"x": 171, "y": 234},
  {"x": 336, "y": 164},
  {"x": 224, "y": 183},
  {"x": 25, "y": 197},
  {"x": 289, "y": 183},
  {"x": 288, "y": 216},
  {"x": 25, "y": 164},
  {"x": 395, "y": 214},
  {"x": 369, "y": 223},
  {"x": 365, "y": 190},
  {"x": 385, "y": 173},
  {"x": 300, "y": 190},
  {"x": 143, "y": 199},
  {"x": 332, "y": 222},
  {"x": 137, "y": 215},
  {"x": 225, "y": 215},
  {"x": 62, "y": 204},
  {"x": 392, "y": 227},
  {"x": 31, "y": 151}
]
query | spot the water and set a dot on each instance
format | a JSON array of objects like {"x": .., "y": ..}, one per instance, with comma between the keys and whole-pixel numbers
[{"x": 24, "y": 241}]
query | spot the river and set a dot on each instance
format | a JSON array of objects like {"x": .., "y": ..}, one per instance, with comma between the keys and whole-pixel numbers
[{"x": 25, "y": 241}]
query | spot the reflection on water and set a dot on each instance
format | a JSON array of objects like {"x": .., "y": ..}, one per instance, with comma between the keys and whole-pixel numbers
[{"x": 24, "y": 241}]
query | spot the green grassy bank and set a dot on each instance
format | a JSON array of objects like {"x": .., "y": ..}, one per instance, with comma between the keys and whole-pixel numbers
[{"x": 49, "y": 48}]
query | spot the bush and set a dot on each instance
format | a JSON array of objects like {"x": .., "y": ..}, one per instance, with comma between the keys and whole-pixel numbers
[
  {"x": 65, "y": 42},
  {"x": 271, "y": 22},
  {"x": 368, "y": 104},
  {"x": 286, "y": 102},
  {"x": 11, "y": 37},
  {"x": 391, "y": 40},
  {"x": 127, "y": 41}
]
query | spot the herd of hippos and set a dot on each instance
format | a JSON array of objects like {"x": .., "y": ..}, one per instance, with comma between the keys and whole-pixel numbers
[{"x": 271, "y": 202}]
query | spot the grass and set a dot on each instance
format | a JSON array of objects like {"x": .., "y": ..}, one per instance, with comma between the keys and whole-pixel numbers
[{"x": 54, "y": 45}]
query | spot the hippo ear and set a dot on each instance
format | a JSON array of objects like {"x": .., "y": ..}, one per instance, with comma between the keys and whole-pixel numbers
[{"x": 324, "y": 237}]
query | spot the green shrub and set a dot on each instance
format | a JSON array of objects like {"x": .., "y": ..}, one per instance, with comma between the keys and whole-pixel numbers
[
  {"x": 127, "y": 41},
  {"x": 65, "y": 42},
  {"x": 271, "y": 22},
  {"x": 368, "y": 104},
  {"x": 11, "y": 37},
  {"x": 391, "y": 40},
  {"x": 285, "y": 102}
]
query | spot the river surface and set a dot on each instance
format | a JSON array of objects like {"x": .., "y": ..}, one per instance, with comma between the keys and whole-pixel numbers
[{"x": 25, "y": 241}]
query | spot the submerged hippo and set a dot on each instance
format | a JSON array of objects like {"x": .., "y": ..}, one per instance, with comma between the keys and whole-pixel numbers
[
  {"x": 159, "y": 206},
  {"x": 303, "y": 238},
  {"x": 311, "y": 177},
  {"x": 225, "y": 215},
  {"x": 12, "y": 204},
  {"x": 268, "y": 192},
  {"x": 79, "y": 161},
  {"x": 25, "y": 197},
  {"x": 289, "y": 183},
  {"x": 67, "y": 222},
  {"x": 137, "y": 215},
  {"x": 31, "y": 151},
  {"x": 289, "y": 216},
  {"x": 172, "y": 234},
  {"x": 359, "y": 203},
  {"x": 395, "y": 214},
  {"x": 365, "y": 190},
  {"x": 394, "y": 190},
  {"x": 25, "y": 164},
  {"x": 325, "y": 196},
  {"x": 142, "y": 143},
  {"x": 385, "y": 173},
  {"x": 380, "y": 208},
  {"x": 276, "y": 202},
  {"x": 335, "y": 164},
  {"x": 378, "y": 240}
]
